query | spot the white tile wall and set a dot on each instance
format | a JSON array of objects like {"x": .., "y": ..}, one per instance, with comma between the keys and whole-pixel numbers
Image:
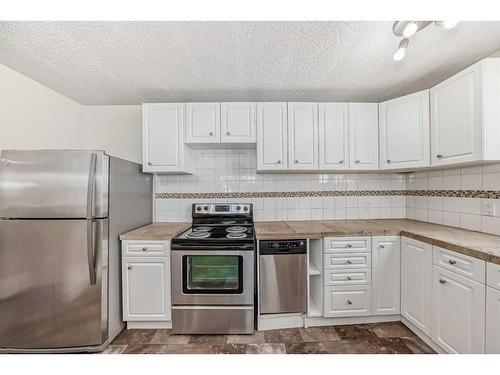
[
  {"x": 235, "y": 171},
  {"x": 457, "y": 212}
]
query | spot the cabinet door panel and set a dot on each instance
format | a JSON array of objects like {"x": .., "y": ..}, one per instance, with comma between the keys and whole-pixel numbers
[
  {"x": 203, "y": 122},
  {"x": 363, "y": 136},
  {"x": 333, "y": 136},
  {"x": 343, "y": 301},
  {"x": 404, "y": 131},
  {"x": 456, "y": 123},
  {"x": 386, "y": 275},
  {"x": 302, "y": 136},
  {"x": 146, "y": 288},
  {"x": 458, "y": 323},
  {"x": 492, "y": 321},
  {"x": 272, "y": 136},
  {"x": 416, "y": 283},
  {"x": 238, "y": 122}
]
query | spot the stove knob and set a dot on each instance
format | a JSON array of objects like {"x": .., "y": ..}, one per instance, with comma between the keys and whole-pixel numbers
[
  {"x": 198, "y": 208},
  {"x": 205, "y": 208},
  {"x": 238, "y": 208},
  {"x": 245, "y": 208}
]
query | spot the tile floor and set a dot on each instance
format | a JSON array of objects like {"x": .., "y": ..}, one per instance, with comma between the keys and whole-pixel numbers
[{"x": 379, "y": 338}]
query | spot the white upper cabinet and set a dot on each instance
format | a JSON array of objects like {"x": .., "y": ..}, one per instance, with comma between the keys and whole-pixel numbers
[
  {"x": 465, "y": 115},
  {"x": 363, "y": 136},
  {"x": 163, "y": 148},
  {"x": 203, "y": 122},
  {"x": 386, "y": 256},
  {"x": 237, "y": 122},
  {"x": 404, "y": 132},
  {"x": 333, "y": 136},
  {"x": 302, "y": 136},
  {"x": 272, "y": 136}
]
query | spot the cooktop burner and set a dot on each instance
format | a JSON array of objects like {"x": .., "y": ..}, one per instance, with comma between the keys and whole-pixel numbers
[
  {"x": 198, "y": 234},
  {"x": 236, "y": 235},
  {"x": 236, "y": 229},
  {"x": 201, "y": 229}
]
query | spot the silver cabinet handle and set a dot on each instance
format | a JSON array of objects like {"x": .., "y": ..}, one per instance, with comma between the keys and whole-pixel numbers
[
  {"x": 228, "y": 133},
  {"x": 211, "y": 133},
  {"x": 452, "y": 261},
  {"x": 149, "y": 163},
  {"x": 442, "y": 281},
  {"x": 348, "y": 262},
  {"x": 348, "y": 245},
  {"x": 388, "y": 160},
  {"x": 144, "y": 249},
  {"x": 348, "y": 278},
  {"x": 358, "y": 161},
  {"x": 349, "y": 302},
  {"x": 296, "y": 161},
  {"x": 439, "y": 156},
  {"x": 279, "y": 162},
  {"x": 341, "y": 162},
  {"x": 382, "y": 246},
  {"x": 129, "y": 267}
]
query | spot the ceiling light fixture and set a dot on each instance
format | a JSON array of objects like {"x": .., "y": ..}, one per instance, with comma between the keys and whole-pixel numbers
[
  {"x": 410, "y": 29},
  {"x": 447, "y": 24},
  {"x": 401, "y": 52}
]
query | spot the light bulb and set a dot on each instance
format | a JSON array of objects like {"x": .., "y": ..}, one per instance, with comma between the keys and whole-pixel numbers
[
  {"x": 401, "y": 52},
  {"x": 410, "y": 29},
  {"x": 447, "y": 24}
]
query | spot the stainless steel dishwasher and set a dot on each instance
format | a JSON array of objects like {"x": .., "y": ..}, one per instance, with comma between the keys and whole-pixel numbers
[{"x": 282, "y": 276}]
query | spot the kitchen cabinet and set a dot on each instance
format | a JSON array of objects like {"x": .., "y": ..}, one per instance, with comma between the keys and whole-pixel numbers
[
  {"x": 416, "y": 283},
  {"x": 465, "y": 117},
  {"x": 163, "y": 149},
  {"x": 272, "y": 135},
  {"x": 492, "y": 321},
  {"x": 237, "y": 122},
  {"x": 404, "y": 127},
  {"x": 202, "y": 123},
  {"x": 146, "y": 289},
  {"x": 347, "y": 301},
  {"x": 363, "y": 136},
  {"x": 333, "y": 136},
  {"x": 386, "y": 275},
  {"x": 302, "y": 136},
  {"x": 458, "y": 323}
]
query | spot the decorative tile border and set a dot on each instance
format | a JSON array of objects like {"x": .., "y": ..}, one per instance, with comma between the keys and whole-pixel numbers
[{"x": 490, "y": 194}]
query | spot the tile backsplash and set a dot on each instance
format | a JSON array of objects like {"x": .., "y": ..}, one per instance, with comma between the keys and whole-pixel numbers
[
  {"x": 465, "y": 212},
  {"x": 230, "y": 176}
]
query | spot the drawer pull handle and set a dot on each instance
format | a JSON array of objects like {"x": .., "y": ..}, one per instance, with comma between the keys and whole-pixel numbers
[
  {"x": 341, "y": 162},
  {"x": 348, "y": 245},
  {"x": 382, "y": 246},
  {"x": 452, "y": 262},
  {"x": 358, "y": 161},
  {"x": 129, "y": 267},
  {"x": 349, "y": 302},
  {"x": 348, "y": 278},
  {"x": 348, "y": 262},
  {"x": 228, "y": 133},
  {"x": 278, "y": 162},
  {"x": 144, "y": 249},
  {"x": 442, "y": 281},
  {"x": 211, "y": 133}
]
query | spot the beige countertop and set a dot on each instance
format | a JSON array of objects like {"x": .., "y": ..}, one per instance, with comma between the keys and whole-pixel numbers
[
  {"x": 156, "y": 232},
  {"x": 476, "y": 244}
]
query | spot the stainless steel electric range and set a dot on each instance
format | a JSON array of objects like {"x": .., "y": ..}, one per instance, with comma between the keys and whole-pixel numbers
[{"x": 213, "y": 271}]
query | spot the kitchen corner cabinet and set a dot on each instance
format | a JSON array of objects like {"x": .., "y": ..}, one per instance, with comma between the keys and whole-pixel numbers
[
  {"x": 363, "y": 136},
  {"x": 404, "y": 132},
  {"x": 492, "y": 320},
  {"x": 237, "y": 122},
  {"x": 386, "y": 259},
  {"x": 202, "y": 123},
  {"x": 416, "y": 283},
  {"x": 302, "y": 136},
  {"x": 163, "y": 149},
  {"x": 333, "y": 136},
  {"x": 272, "y": 136},
  {"x": 465, "y": 116}
]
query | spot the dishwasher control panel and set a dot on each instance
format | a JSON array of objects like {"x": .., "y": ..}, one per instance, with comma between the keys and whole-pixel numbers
[{"x": 269, "y": 247}]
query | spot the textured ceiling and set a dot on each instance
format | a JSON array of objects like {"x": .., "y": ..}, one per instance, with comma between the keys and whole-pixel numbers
[{"x": 135, "y": 62}]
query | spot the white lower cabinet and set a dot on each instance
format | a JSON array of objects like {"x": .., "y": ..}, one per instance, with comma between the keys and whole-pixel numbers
[
  {"x": 342, "y": 301},
  {"x": 458, "y": 323},
  {"x": 492, "y": 321},
  {"x": 416, "y": 283},
  {"x": 386, "y": 255}
]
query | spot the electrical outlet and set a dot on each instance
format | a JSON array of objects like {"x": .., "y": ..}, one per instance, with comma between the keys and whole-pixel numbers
[{"x": 488, "y": 207}]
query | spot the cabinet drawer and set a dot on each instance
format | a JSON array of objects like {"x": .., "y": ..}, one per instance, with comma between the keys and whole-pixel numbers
[
  {"x": 347, "y": 261},
  {"x": 463, "y": 265},
  {"x": 348, "y": 277},
  {"x": 146, "y": 248},
  {"x": 493, "y": 275},
  {"x": 347, "y": 301},
  {"x": 348, "y": 245}
]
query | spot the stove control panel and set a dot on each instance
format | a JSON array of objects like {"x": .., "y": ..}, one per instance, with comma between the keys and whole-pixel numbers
[{"x": 222, "y": 208}]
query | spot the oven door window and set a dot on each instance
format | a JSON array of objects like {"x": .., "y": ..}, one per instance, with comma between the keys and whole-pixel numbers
[{"x": 212, "y": 274}]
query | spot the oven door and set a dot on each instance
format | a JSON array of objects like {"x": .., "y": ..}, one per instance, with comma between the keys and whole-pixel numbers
[{"x": 206, "y": 277}]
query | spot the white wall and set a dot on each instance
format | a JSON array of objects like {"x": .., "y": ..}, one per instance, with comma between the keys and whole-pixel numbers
[{"x": 32, "y": 116}]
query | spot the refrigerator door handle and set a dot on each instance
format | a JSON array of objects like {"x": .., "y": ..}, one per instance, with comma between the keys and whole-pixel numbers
[
  {"x": 91, "y": 186},
  {"x": 91, "y": 254}
]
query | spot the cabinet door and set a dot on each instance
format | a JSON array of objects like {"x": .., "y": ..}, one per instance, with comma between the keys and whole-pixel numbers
[
  {"x": 238, "y": 122},
  {"x": 363, "y": 136},
  {"x": 458, "y": 323},
  {"x": 404, "y": 132},
  {"x": 456, "y": 124},
  {"x": 333, "y": 136},
  {"x": 146, "y": 288},
  {"x": 386, "y": 275},
  {"x": 203, "y": 122},
  {"x": 272, "y": 136},
  {"x": 302, "y": 136},
  {"x": 162, "y": 137},
  {"x": 492, "y": 321},
  {"x": 416, "y": 283}
]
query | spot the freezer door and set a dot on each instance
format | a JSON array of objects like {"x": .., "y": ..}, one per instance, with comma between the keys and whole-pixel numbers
[
  {"x": 47, "y": 296},
  {"x": 53, "y": 184}
]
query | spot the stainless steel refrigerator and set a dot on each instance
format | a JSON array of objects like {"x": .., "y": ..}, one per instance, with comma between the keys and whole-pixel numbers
[{"x": 61, "y": 213}]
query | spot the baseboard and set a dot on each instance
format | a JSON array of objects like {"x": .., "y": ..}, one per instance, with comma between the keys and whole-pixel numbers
[
  {"x": 422, "y": 335},
  {"x": 316, "y": 322},
  {"x": 149, "y": 325}
]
